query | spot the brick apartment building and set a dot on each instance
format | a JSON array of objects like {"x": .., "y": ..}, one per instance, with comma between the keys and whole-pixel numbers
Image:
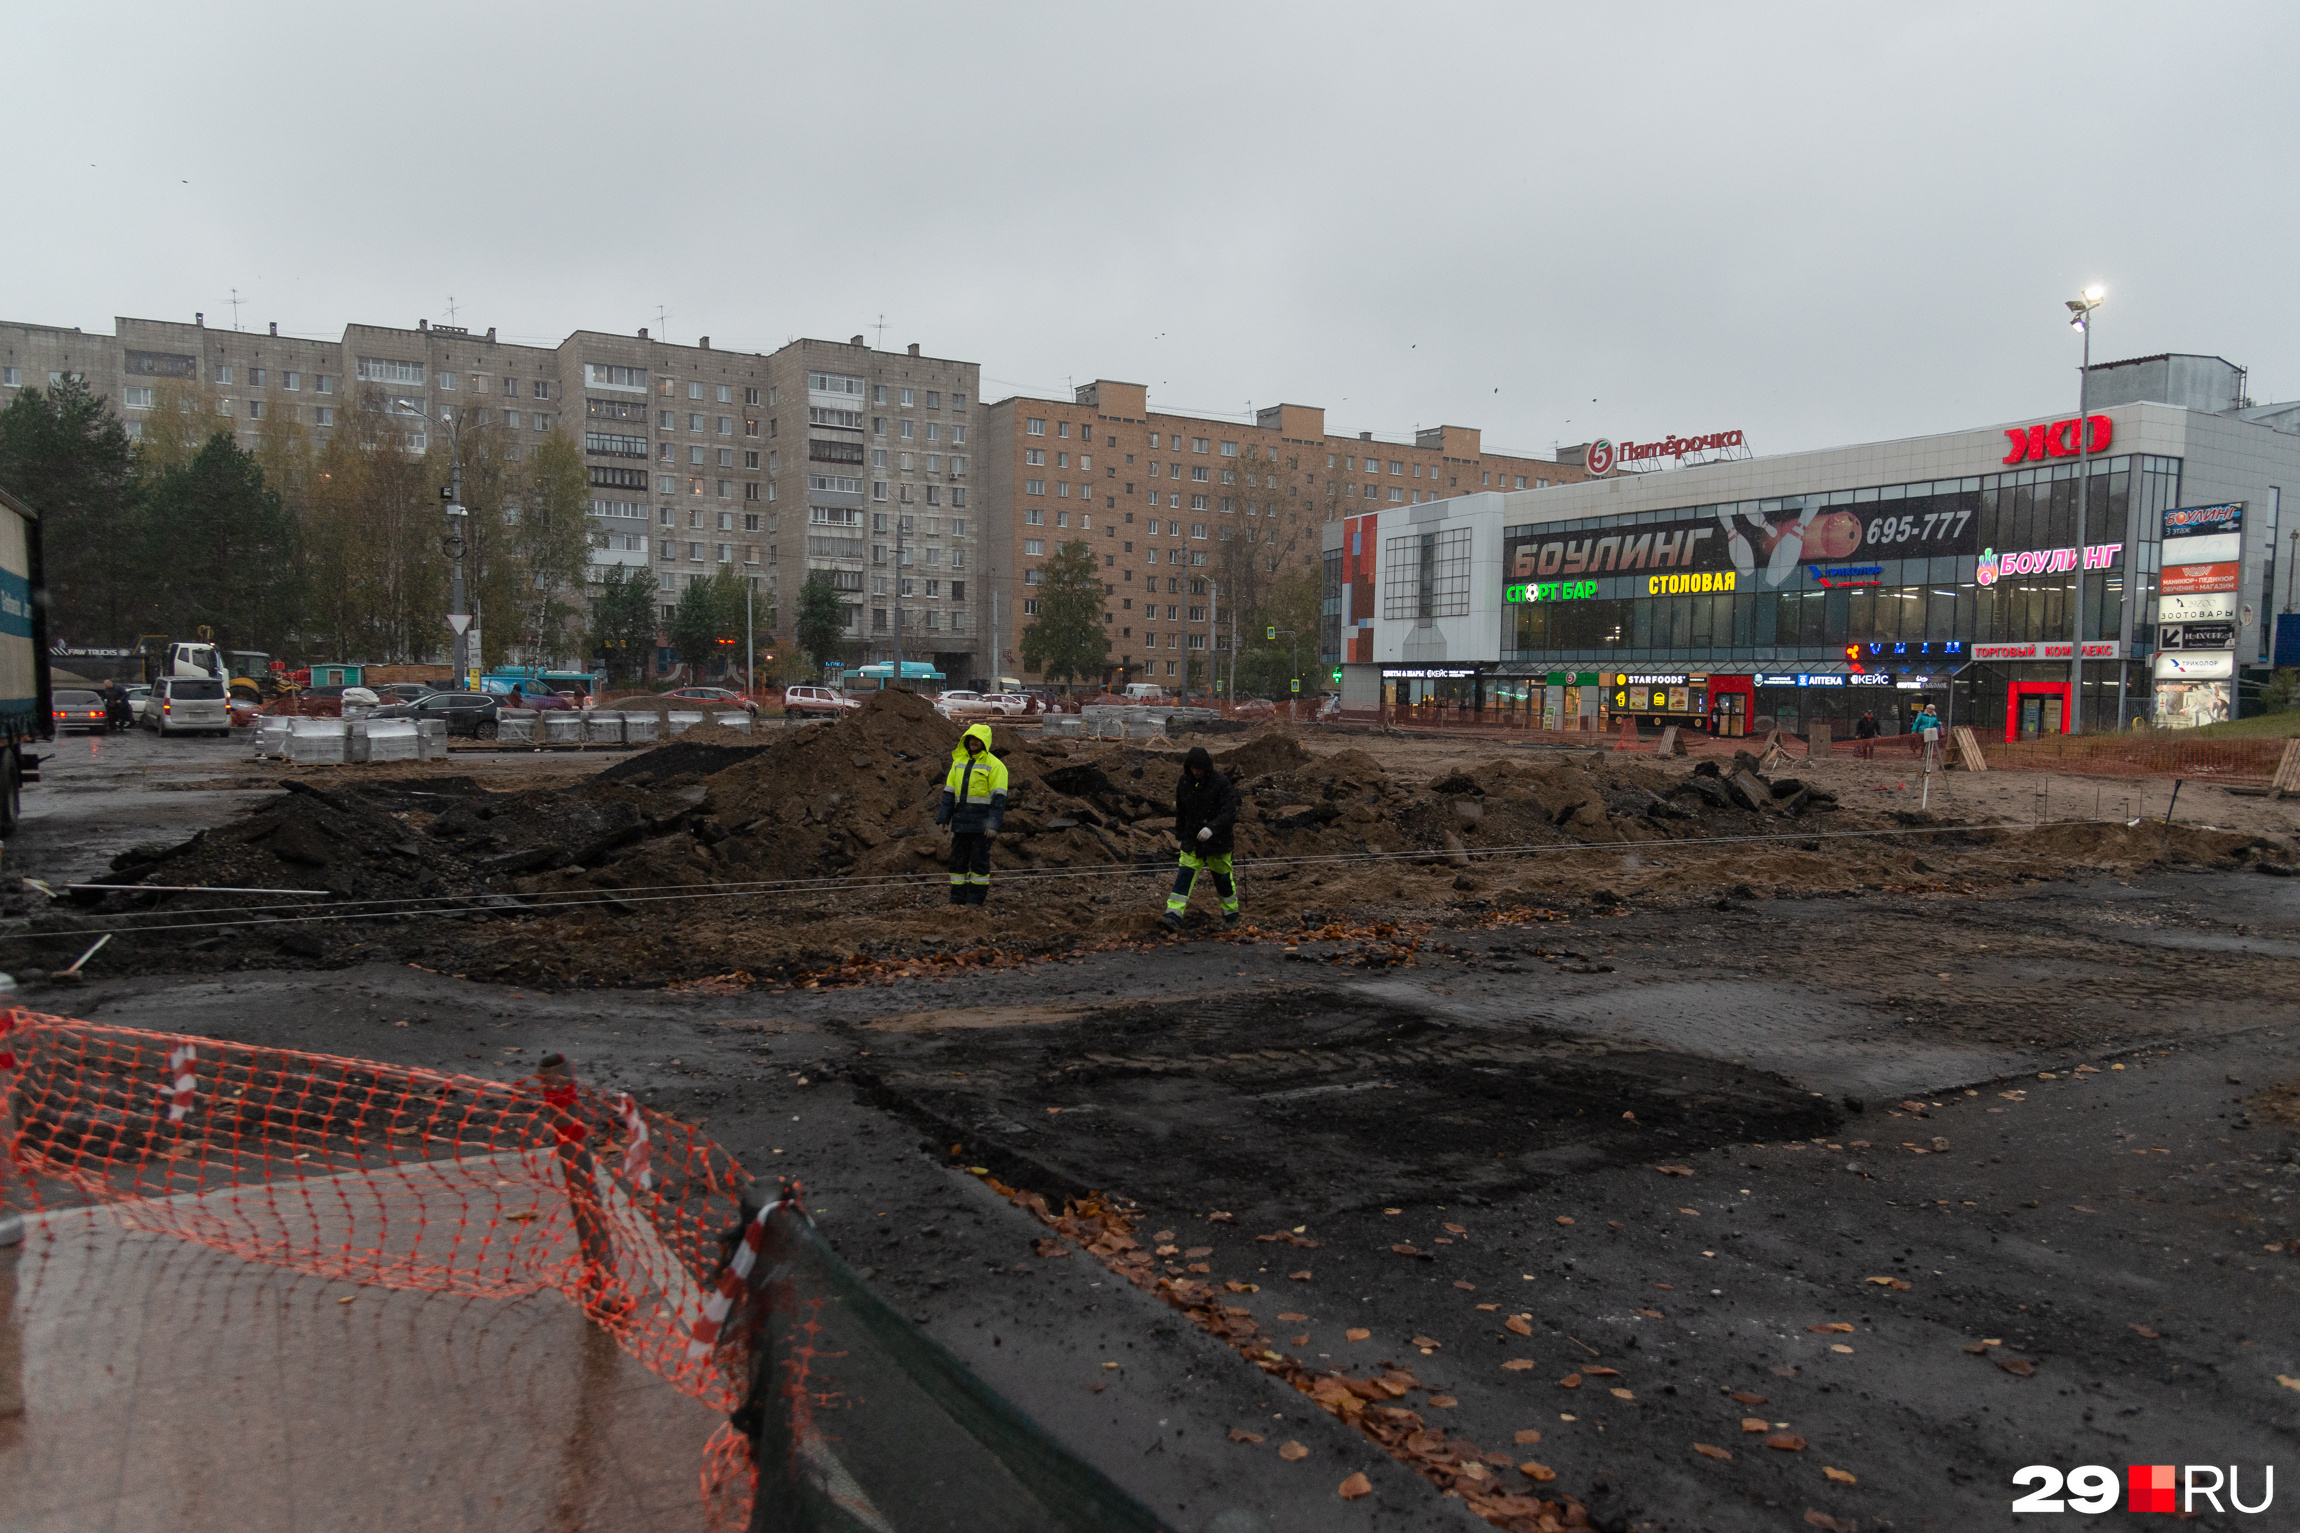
[
  {"x": 690, "y": 467},
  {"x": 1184, "y": 509}
]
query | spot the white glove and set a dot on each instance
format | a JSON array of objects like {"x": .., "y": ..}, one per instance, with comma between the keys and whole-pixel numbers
[{"x": 1205, "y": 832}]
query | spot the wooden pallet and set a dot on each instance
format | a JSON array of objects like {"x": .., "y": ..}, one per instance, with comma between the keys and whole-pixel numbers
[
  {"x": 1968, "y": 749},
  {"x": 2287, "y": 779}
]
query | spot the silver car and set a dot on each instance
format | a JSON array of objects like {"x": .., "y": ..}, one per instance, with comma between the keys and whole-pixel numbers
[{"x": 183, "y": 705}]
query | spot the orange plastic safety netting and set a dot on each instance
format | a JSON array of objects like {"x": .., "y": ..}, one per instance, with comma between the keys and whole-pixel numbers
[{"x": 405, "y": 1178}]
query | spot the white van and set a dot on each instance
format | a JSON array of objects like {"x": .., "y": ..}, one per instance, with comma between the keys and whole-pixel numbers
[
  {"x": 184, "y": 705},
  {"x": 1145, "y": 692}
]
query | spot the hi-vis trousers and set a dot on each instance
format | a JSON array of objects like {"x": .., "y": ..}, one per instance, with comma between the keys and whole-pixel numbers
[
  {"x": 1186, "y": 879},
  {"x": 969, "y": 868}
]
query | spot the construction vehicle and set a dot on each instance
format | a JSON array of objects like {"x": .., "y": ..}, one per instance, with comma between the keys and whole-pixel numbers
[
  {"x": 255, "y": 676},
  {"x": 26, "y": 706}
]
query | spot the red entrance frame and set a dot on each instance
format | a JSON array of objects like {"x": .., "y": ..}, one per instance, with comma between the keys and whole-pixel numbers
[
  {"x": 1745, "y": 685},
  {"x": 2021, "y": 689}
]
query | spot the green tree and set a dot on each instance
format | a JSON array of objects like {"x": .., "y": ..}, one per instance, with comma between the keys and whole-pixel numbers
[
  {"x": 623, "y": 621},
  {"x": 710, "y": 611},
  {"x": 226, "y": 541},
  {"x": 822, "y": 617},
  {"x": 64, "y": 454},
  {"x": 1290, "y": 600},
  {"x": 1067, "y": 639},
  {"x": 551, "y": 543}
]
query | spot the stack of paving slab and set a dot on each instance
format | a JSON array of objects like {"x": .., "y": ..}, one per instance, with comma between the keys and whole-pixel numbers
[
  {"x": 385, "y": 740},
  {"x": 679, "y": 723},
  {"x": 315, "y": 742},
  {"x": 1112, "y": 721},
  {"x": 514, "y": 728}
]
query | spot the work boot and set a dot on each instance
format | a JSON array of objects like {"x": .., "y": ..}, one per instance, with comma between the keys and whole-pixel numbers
[
  {"x": 1230, "y": 919},
  {"x": 1173, "y": 919}
]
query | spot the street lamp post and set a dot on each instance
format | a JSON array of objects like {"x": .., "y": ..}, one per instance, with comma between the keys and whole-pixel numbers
[
  {"x": 2080, "y": 309},
  {"x": 454, "y": 544}
]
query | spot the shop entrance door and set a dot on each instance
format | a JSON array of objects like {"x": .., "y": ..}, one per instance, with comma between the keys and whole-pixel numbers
[
  {"x": 1732, "y": 709},
  {"x": 2031, "y": 716}
]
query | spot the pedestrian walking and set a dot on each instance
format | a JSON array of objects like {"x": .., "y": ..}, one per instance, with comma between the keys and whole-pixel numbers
[
  {"x": 973, "y": 806},
  {"x": 1205, "y": 815},
  {"x": 1865, "y": 733}
]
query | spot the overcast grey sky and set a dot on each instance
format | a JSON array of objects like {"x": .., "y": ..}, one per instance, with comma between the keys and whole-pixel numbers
[{"x": 1818, "y": 223}]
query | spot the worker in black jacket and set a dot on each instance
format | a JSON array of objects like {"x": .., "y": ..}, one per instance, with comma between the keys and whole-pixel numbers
[{"x": 1205, "y": 814}]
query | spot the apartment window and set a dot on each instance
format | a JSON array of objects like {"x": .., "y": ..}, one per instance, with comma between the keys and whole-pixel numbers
[
  {"x": 908, "y": 430},
  {"x": 750, "y": 396},
  {"x": 958, "y": 401},
  {"x": 326, "y": 383},
  {"x": 726, "y": 489},
  {"x": 695, "y": 457},
  {"x": 1034, "y": 516},
  {"x": 1062, "y": 519},
  {"x": 878, "y": 394},
  {"x": 1198, "y": 529},
  {"x": 906, "y": 399},
  {"x": 726, "y": 425},
  {"x": 694, "y": 391},
  {"x": 1034, "y": 487},
  {"x": 878, "y": 489},
  {"x": 1521, "y": 482},
  {"x": 1397, "y": 494},
  {"x": 1198, "y": 473},
  {"x": 255, "y": 409},
  {"x": 1229, "y": 449},
  {"x": 904, "y": 461},
  {"x": 751, "y": 460},
  {"x": 878, "y": 457},
  {"x": 598, "y": 376},
  {"x": 1197, "y": 502},
  {"x": 1034, "y": 456},
  {"x": 1198, "y": 444},
  {"x": 323, "y": 415},
  {"x": 1034, "y": 427},
  {"x": 1034, "y": 548},
  {"x": 957, "y": 491},
  {"x": 666, "y": 484},
  {"x": 542, "y": 389},
  {"x": 1396, "y": 467},
  {"x": 958, "y": 561},
  {"x": 1030, "y": 606},
  {"x": 1033, "y": 576},
  {"x": 726, "y": 457},
  {"x": 750, "y": 425},
  {"x": 751, "y": 492},
  {"x": 135, "y": 398}
]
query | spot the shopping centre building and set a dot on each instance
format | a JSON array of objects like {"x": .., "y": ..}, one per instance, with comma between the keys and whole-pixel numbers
[{"x": 1810, "y": 588}]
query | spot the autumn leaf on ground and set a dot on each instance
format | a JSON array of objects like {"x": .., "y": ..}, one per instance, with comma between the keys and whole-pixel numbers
[
  {"x": 2145, "y": 1331},
  {"x": 1237, "y": 1287},
  {"x": 1815, "y": 1518},
  {"x": 1787, "y": 1442},
  {"x": 1163, "y": 1235},
  {"x": 1748, "y": 1397},
  {"x": 1977, "y": 1348},
  {"x": 1406, "y": 1250},
  {"x": 1519, "y": 1364},
  {"x": 1302, "y": 1340},
  {"x": 2287, "y": 1381},
  {"x": 1218, "y": 1216},
  {"x": 1201, "y": 1268},
  {"x": 1430, "y": 1342},
  {"x": 1623, "y": 1394},
  {"x": 1754, "y": 1423},
  {"x": 1651, "y": 1314},
  {"x": 1832, "y": 1325},
  {"x": 1241, "y": 1435},
  {"x": 1465, "y": 1287},
  {"x": 1444, "y": 1402},
  {"x": 1564, "y": 1219},
  {"x": 1050, "y": 1247},
  {"x": 1302, "y": 1276},
  {"x": 1355, "y": 1486},
  {"x": 1489, "y": 1306},
  {"x": 1603, "y": 1373},
  {"x": 1570, "y": 1381},
  {"x": 2018, "y": 1367},
  {"x": 1198, "y": 1253},
  {"x": 1292, "y": 1451},
  {"x": 1710, "y": 1450},
  {"x": 1292, "y": 1315},
  {"x": 1540, "y": 1474},
  {"x": 1356, "y": 1333},
  {"x": 1458, "y": 1229},
  {"x": 1838, "y": 1346},
  {"x": 1528, "y": 1435},
  {"x": 1894, "y": 1283},
  {"x": 1674, "y": 1170},
  {"x": 1841, "y": 1476},
  {"x": 1519, "y": 1325}
]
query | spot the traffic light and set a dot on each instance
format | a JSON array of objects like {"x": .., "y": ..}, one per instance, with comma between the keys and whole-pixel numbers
[{"x": 1853, "y": 659}]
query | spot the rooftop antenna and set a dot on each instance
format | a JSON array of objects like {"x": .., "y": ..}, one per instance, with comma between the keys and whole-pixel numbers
[
  {"x": 662, "y": 323},
  {"x": 451, "y": 308},
  {"x": 880, "y": 327},
  {"x": 235, "y": 308}
]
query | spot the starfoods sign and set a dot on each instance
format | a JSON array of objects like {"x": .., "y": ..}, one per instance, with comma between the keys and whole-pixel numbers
[{"x": 1603, "y": 455}]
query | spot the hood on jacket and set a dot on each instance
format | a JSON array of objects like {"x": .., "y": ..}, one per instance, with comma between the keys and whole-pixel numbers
[
  {"x": 973, "y": 732},
  {"x": 1198, "y": 761}
]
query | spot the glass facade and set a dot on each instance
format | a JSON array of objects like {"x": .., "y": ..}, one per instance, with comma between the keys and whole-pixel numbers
[{"x": 1928, "y": 602}]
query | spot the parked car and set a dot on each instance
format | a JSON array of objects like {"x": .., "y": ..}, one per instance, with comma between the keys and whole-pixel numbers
[
  {"x": 715, "y": 697},
  {"x": 1012, "y": 703},
  {"x": 77, "y": 710},
  {"x": 540, "y": 698},
  {"x": 960, "y": 703},
  {"x": 401, "y": 691},
  {"x": 139, "y": 699},
  {"x": 188, "y": 705},
  {"x": 817, "y": 700},
  {"x": 465, "y": 713}
]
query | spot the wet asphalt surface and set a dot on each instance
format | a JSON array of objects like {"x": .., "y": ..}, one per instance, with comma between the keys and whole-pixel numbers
[{"x": 1840, "y": 1092}]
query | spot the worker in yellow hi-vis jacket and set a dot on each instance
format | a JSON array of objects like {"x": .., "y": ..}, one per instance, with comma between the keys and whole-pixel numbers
[{"x": 973, "y": 806}]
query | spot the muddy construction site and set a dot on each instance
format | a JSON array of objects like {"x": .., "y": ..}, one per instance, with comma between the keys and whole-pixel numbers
[
  {"x": 1575, "y": 1137},
  {"x": 813, "y": 857}
]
